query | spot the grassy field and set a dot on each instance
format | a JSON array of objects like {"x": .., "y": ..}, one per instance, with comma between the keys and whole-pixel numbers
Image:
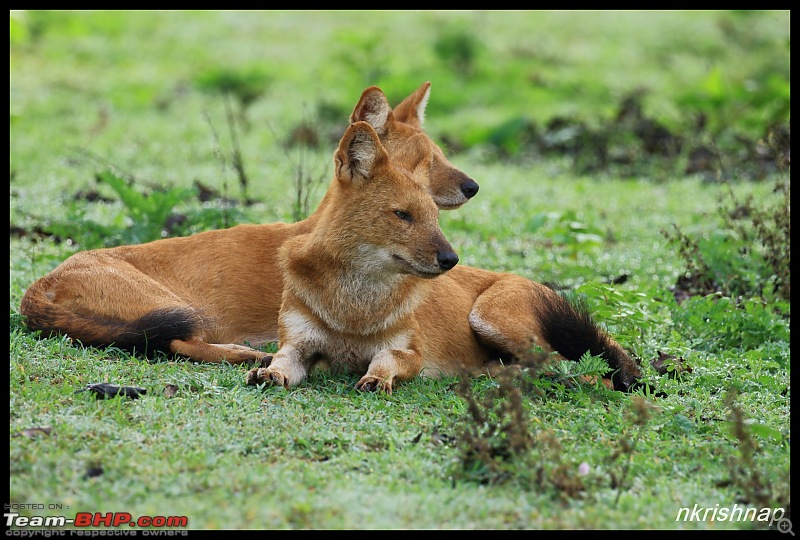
[{"x": 166, "y": 100}]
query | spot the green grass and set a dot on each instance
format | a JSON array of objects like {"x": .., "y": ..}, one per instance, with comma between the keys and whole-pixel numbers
[
  {"x": 89, "y": 93},
  {"x": 326, "y": 456}
]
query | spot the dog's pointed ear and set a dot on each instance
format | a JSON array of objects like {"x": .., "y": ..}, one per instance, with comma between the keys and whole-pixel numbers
[
  {"x": 411, "y": 110},
  {"x": 373, "y": 108},
  {"x": 359, "y": 154}
]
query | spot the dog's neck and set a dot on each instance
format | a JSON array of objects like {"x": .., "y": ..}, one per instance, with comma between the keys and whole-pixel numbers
[{"x": 353, "y": 290}]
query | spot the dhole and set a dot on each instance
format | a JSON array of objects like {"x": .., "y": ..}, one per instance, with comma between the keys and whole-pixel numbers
[
  {"x": 205, "y": 296},
  {"x": 374, "y": 289}
]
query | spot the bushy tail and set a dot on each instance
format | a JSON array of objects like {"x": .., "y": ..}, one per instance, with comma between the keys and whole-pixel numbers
[
  {"x": 149, "y": 333},
  {"x": 569, "y": 328}
]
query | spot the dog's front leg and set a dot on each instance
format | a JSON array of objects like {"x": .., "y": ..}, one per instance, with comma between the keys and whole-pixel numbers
[
  {"x": 390, "y": 365},
  {"x": 289, "y": 366}
]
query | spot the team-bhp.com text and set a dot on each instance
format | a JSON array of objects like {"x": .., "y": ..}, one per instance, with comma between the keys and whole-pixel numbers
[{"x": 95, "y": 519}]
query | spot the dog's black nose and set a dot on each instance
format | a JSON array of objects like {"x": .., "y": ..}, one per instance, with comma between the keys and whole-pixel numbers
[
  {"x": 469, "y": 188},
  {"x": 447, "y": 259}
]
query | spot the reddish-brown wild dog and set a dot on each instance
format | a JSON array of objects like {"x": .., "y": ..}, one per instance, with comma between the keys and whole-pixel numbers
[{"x": 375, "y": 289}]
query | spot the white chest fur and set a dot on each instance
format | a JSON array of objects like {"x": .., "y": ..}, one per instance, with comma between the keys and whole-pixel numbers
[{"x": 344, "y": 350}]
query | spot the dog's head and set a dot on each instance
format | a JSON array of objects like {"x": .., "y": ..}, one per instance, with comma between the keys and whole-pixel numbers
[
  {"x": 409, "y": 147},
  {"x": 382, "y": 215}
]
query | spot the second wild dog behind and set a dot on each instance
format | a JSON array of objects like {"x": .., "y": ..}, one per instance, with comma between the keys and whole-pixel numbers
[
  {"x": 207, "y": 295},
  {"x": 375, "y": 289}
]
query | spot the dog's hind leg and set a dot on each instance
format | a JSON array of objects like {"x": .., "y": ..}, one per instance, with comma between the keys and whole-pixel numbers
[
  {"x": 99, "y": 298},
  {"x": 514, "y": 313},
  {"x": 504, "y": 316},
  {"x": 215, "y": 353}
]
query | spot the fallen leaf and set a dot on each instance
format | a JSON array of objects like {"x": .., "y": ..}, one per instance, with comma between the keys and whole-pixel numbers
[
  {"x": 32, "y": 433},
  {"x": 108, "y": 390}
]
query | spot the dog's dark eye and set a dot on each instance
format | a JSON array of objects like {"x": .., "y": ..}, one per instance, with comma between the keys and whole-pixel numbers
[{"x": 405, "y": 216}]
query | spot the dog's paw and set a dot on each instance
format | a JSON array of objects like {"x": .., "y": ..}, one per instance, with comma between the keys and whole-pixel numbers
[
  {"x": 251, "y": 378},
  {"x": 258, "y": 376},
  {"x": 370, "y": 383},
  {"x": 273, "y": 376}
]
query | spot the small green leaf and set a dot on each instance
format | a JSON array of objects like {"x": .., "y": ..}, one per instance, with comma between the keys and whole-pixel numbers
[{"x": 766, "y": 432}]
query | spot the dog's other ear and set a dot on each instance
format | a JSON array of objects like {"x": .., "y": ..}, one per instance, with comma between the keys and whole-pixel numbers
[
  {"x": 359, "y": 154},
  {"x": 373, "y": 107},
  {"x": 411, "y": 110}
]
